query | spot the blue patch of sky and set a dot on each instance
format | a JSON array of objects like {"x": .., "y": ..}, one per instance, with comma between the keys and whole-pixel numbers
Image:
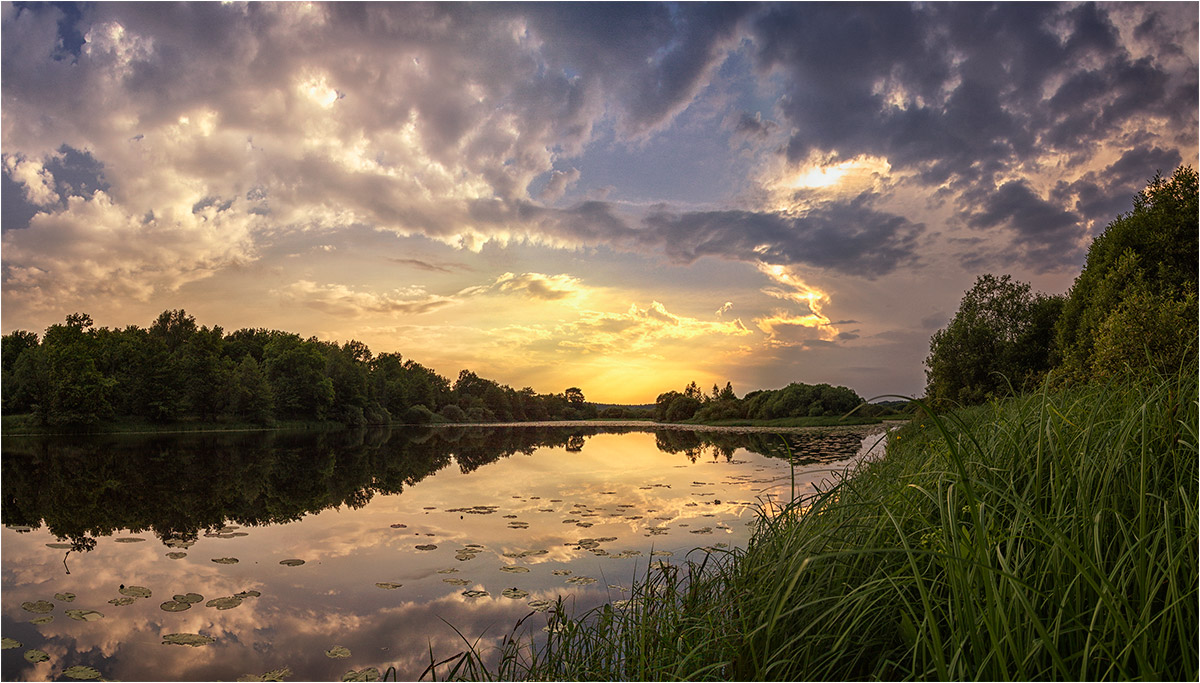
[{"x": 75, "y": 173}]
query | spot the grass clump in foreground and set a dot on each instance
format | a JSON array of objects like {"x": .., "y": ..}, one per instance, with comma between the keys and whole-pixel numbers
[{"x": 1051, "y": 536}]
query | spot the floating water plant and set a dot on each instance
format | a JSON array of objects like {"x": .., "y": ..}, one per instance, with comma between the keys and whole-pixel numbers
[
  {"x": 42, "y": 620},
  {"x": 228, "y": 602},
  {"x": 514, "y": 593},
  {"x": 189, "y": 639},
  {"x": 121, "y": 602},
  {"x": 399, "y": 526},
  {"x": 59, "y": 546},
  {"x": 428, "y": 546},
  {"x": 291, "y": 563},
  {"x": 82, "y": 673},
  {"x": 36, "y": 656},
  {"x": 175, "y": 606},
  {"x": 64, "y": 597},
  {"x": 388, "y": 585},
  {"x": 338, "y": 652},
  {"x": 561, "y": 572},
  {"x": 368, "y": 674},
  {"x": 188, "y": 598},
  {"x": 475, "y": 594},
  {"x": 135, "y": 591},
  {"x": 581, "y": 580},
  {"x": 7, "y": 643},
  {"x": 128, "y": 539},
  {"x": 38, "y": 607},
  {"x": 539, "y": 605},
  {"x": 225, "y": 560},
  {"x": 84, "y": 614},
  {"x": 518, "y": 525},
  {"x": 457, "y": 582},
  {"x": 176, "y": 556}
]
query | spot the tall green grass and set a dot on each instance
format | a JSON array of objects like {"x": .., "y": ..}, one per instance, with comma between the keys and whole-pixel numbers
[{"x": 1051, "y": 536}]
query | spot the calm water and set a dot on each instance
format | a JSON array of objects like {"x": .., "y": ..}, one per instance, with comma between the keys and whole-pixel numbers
[{"x": 393, "y": 527}]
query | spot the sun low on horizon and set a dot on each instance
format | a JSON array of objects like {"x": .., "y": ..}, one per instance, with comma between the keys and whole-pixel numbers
[{"x": 620, "y": 197}]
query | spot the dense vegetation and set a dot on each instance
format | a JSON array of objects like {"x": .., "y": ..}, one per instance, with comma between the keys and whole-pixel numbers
[
  {"x": 80, "y": 375},
  {"x": 1133, "y": 305},
  {"x": 796, "y": 400}
]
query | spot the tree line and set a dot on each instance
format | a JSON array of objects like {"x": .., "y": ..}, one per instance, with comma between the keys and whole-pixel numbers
[
  {"x": 1133, "y": 307},
  {"x": 794, "y": 400},
  {"x": 77, "y": 374}
]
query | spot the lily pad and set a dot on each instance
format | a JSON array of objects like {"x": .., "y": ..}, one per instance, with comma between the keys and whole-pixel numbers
[
  {"x": 399, "y": 526},
  {"x": 135, "y": 591},
  {"x": 121, "y": 602},
  {"x": 82, "y": 673},
  {"x": 36, "y": 656},
  {"x": 225, "y": 560},
  {"x": 475, "y": 594},
  {"x": 39, "y": 607},
  {"x": 189, "y": 598},
  {"x": 514, "y": 593},
  {"x": 368, "y": 674},
  {"x": 539, "y": 605},
  {"x": 276, "y": 675},
  {"x": 388, "y": 585},
  {"x": 64, "y": 597},
  {"x": 513, "y": 569},
  {"x": 224, "y": 603},
  {"x": 291, "y": 563},
  {"x": 561, "y": 572},
  {"x": 176, "y": 556},
  {"x": 84, "y": 614},
  {"x": 581, "y": 580},
  {"x": 449, "y": 570},
  {"x": 190, "y": 639},
  {"x": 337, "y": 652},
  {"x": 59, "y": 546},
  {"x": 7, "y": 643},
  {"x": 428, "y": 546},
  {"x": 661, "y": 553},
  {"x": 175, "y": 606},
  {"x": 129, "y": 539},
  {"x": 583, "y": 524},
  {"x": 248, "y": 594},
  {"x": 457, "y": 582},
  {"x": 518, "y": 525},
  {"x": 42, "y": 620}
]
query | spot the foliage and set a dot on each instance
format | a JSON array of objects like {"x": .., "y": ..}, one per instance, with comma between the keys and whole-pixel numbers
[
  {"x": 1144, "y": 258},
  {"x": 77, "y": 377},
  {"x": 793, "y": 401},
  {"x": 998, "y": 341}
]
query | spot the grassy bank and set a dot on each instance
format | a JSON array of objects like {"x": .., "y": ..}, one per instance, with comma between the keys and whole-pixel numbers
[{"x": 1052, "y": 536}]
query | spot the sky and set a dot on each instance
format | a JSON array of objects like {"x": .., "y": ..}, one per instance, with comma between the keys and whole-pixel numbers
[{"x": 619, "y": 197}]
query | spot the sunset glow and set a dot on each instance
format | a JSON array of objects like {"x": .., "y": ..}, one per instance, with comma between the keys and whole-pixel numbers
[{"x": 623, "y": 198}]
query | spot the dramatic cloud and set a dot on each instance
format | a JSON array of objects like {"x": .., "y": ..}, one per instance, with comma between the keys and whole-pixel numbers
[{"x": 149, "y": 149}]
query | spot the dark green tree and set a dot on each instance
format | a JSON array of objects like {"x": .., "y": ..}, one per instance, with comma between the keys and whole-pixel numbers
[
  {"x": 991, "y": 344},
  {"x": 1146, "y": 257}
]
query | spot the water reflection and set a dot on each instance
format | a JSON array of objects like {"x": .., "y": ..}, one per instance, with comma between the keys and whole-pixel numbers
[{"x": 382, "y": 573}]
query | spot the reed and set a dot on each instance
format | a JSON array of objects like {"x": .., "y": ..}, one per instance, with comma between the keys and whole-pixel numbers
[{"x": 1049, "y": 536}]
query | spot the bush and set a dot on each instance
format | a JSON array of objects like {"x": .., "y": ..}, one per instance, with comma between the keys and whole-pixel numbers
[
  {"x": 452, "y": 413},
  {"x": 418, "y": 415}
]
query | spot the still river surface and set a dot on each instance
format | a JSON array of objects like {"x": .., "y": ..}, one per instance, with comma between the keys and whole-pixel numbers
[{"x": 112, "y": 544}]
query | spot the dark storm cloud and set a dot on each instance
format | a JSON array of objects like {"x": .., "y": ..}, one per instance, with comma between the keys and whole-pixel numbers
[
  {"x": 972, "y": 94},
  {"x": 1046, "y": 233},
  {"x": 848, "y": 237}
]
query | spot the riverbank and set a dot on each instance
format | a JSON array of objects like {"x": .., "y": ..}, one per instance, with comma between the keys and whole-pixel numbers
[
  {"x": 1052, "y": 536},
  {"x": 25, "y": 425}
]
